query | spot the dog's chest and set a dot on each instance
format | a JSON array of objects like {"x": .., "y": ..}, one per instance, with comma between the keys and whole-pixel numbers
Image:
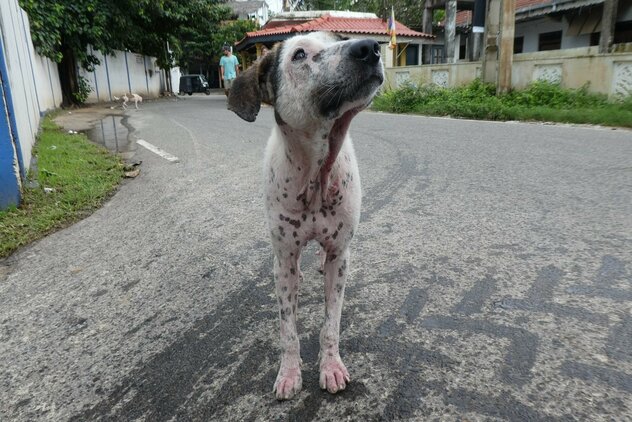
[{"x": 301, "y": 207}]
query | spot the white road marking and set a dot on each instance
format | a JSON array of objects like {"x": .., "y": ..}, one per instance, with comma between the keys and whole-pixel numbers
[{"x": 164, "y": 154}]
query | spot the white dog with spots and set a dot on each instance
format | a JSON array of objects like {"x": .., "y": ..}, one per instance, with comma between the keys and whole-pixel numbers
[{"x": 317, "y": 83}]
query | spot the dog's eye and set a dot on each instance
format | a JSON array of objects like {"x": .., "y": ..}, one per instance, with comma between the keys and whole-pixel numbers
[{"x": 299, "y": 55}]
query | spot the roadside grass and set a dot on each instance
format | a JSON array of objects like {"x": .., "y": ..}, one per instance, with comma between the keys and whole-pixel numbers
[
  {"x": 81, "y": 174},
  {"x": 541, "y": 101}
]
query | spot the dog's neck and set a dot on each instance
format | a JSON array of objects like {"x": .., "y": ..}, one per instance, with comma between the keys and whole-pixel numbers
[{"x": 314, "y": 151}]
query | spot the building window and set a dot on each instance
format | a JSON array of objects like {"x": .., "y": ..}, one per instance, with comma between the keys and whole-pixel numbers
[
  {"x": 436, "y": 54},
  {"x": 550, "y": 41},
  {"x": 412, "y": 55},
  {"x": 462, "y": 51},
  {"x": 623, "y": 32},
  {"x": 518, "y": 45},
  {"x": 594, "y": 38}
]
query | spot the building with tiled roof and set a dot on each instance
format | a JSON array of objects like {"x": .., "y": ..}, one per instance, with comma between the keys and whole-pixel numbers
[{"x": 347, "y": 24}]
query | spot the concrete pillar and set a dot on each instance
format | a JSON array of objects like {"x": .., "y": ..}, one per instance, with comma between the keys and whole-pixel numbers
[
  {"x": 426, "y": 28},
  {"x": 489, "y": 71},
  {"x": 450, "y": 30},
  {"x": 478, "y": 29},
  {"x": 608, "y": 21}
]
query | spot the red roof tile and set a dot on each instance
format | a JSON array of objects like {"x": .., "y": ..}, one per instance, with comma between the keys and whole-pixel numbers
[
  {"x": 463, "y": 18},
  {"x": 369, "y": 26}
]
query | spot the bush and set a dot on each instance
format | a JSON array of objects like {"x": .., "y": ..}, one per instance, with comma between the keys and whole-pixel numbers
[
  {"x": 83, "y": 90},
  {"x": 543, "y": 101},
  {"x": 547, "y": 94}
]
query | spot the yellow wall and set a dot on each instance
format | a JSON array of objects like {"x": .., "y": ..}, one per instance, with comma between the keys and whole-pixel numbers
[{"x": 604, "y": 73}]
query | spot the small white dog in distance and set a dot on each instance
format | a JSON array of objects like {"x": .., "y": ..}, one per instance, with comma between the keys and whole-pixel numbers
[
  {"x": 317, "y": 84},
  {"x": 134, "y": 97}
]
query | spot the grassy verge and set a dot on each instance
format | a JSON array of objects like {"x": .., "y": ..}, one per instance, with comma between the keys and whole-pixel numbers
[
  {"x": 541, "y": 101},
  {"x": 81, "y": 175}
]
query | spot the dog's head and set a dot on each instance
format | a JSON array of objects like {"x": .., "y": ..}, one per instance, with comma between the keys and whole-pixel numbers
[{"x": 310, "y": 78}]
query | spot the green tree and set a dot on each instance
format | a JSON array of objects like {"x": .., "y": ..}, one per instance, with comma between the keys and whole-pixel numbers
[
  {"x": 201, "y": 45},
  {"x": 408, "y": 12},
  {"x": 63, "y": 30}
]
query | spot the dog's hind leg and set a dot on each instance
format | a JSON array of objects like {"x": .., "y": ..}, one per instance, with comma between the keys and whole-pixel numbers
[
  {"x": 333, "y": 373},
  {"x": 287, "y": 275}
]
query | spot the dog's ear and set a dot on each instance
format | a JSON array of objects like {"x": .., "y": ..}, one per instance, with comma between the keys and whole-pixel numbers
[
  {"x": 244, "y": 97},
  {"x": 253, "y": 87}
]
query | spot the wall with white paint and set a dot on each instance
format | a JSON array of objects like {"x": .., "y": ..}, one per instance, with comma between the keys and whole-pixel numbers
[{"x": 120, "y": 73}]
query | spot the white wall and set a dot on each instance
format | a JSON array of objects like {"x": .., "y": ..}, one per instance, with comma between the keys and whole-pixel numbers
[
  {"x": 573, "y": 68},
  {"x": 120, "y": 73}
]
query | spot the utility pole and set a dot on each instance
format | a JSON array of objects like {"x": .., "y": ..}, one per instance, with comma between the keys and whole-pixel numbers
[
  {"x": 499, "y": 38},
  {"x": 507, "y": 31}
]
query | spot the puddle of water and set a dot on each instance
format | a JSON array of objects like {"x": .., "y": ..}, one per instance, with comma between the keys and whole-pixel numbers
[{"x": 114, "y": 133}]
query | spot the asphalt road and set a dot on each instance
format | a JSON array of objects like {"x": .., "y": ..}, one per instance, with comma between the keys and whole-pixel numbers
[{"x": 491, "y": 280}]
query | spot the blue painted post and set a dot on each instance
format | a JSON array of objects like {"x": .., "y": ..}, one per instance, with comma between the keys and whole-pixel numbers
[{"x": 9, "y": 143}]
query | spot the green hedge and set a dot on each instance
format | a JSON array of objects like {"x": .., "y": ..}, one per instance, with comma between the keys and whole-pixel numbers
[{"x": 541, "y": 101}]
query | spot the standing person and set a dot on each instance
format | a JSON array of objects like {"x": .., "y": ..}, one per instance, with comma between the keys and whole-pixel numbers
[{"x": 229, "y": 66}]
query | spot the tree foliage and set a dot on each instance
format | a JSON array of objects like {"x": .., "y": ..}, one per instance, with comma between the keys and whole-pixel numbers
[
  {"x": 65, "y": 30},
  {"x": 205, "y": 47},
  {"x": 408, "y": 12},
  {"x": 142, "y": 26}
]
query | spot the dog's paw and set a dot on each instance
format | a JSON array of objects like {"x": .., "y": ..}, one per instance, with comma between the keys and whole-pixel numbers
[
  {"x": 334, "y": 376},
  {"x": 288, "y": 383}
]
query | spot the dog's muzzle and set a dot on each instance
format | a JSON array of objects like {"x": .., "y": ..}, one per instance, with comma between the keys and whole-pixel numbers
[{"x": 362, "y": 74}]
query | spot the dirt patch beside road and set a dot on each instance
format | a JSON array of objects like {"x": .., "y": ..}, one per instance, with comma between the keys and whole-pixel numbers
[{"x": 83, "y": 119}]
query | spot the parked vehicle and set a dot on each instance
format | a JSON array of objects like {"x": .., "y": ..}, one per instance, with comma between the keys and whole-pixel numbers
[{"x": 193, "y": 83}]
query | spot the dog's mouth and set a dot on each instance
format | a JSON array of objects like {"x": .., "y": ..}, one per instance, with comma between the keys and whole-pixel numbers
[
  {"x": 350, "y": 95},
  {"x": 377, "y": 78}
]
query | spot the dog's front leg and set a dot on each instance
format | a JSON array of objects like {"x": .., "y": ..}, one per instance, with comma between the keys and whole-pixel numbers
[
  {"x": 287, "y": 274},
  {"x": 333, "y": 373}
]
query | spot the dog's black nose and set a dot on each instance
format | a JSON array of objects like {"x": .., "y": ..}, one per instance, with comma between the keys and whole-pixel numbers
[{"x": 365, "y": 50}]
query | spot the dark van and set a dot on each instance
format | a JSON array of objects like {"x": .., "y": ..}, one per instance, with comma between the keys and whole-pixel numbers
[{"x": 193, "y": 83}]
